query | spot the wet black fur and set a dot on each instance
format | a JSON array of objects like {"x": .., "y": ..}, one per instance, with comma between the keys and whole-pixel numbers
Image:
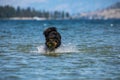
[{"x": 51, "y": 34}]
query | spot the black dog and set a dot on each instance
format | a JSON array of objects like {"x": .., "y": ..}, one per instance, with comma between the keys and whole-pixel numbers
[{"x": 53, "y": 39}]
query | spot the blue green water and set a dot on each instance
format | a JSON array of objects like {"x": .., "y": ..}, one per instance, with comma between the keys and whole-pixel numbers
[{"x": 90, "y": 50}]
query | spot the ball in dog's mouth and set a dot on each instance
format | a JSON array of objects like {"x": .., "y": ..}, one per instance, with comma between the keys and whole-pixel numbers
[{"x": 51, "y": 44}]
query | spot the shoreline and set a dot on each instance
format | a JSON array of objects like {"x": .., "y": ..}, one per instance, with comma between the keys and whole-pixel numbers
[
  {"x": 26, "y": 18},
  {"x": 31, "y": 18},
  {"x": 42, "y": 19}
]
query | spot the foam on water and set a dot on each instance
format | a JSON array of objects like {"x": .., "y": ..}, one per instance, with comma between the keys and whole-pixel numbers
[{"x": 69, "y": 48}]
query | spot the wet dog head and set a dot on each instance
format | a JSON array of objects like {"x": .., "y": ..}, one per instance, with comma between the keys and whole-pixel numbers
[
  {"x": 53, "y": 38},
  {"x": 48, "y": 30}
]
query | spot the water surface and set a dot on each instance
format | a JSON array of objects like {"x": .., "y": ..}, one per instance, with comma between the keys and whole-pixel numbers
[{"x": 90, "y": 50}]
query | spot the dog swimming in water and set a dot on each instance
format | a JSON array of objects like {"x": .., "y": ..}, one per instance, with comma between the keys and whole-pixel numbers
[{"x": 53, "y": 39}]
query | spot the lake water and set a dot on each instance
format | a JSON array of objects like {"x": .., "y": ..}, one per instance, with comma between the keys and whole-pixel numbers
[{"x": 90, "y": 50}]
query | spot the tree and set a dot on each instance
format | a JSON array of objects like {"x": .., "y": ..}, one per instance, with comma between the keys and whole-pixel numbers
[
  {"x": 9, "y": 11},
  {"x": 18, "y": 11},
  {"x": 67, "y": 15},
  {"x": 63, "y": 15}
]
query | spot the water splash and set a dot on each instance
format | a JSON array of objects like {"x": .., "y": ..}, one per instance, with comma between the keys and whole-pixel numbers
[{"x": 69, "y": 48}]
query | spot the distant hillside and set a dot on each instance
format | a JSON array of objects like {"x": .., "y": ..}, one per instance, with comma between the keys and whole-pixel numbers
[
  {"x": 111, "y": 12},
  {"x": 115, "y": 6}
]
